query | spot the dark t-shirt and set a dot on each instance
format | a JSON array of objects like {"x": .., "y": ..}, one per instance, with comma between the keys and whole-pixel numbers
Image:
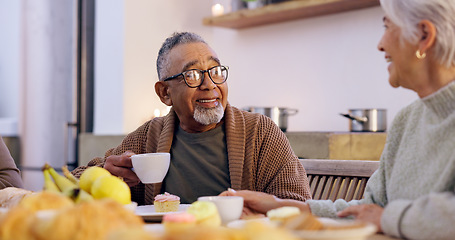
[{"x": 199, "y": 165}]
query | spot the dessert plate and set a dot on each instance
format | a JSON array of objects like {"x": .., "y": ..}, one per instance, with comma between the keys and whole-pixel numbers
[
  {"x": 241, "y": 223},
  {"x": 148, "y": 213},
  {"x": 338, "y": 229},
  {"x": 154, "y": 228}
]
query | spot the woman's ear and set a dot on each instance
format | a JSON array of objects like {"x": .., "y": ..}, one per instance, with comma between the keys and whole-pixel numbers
[
  {"x": 162, "y": 90},
  {"x": 427, "y": 32}
]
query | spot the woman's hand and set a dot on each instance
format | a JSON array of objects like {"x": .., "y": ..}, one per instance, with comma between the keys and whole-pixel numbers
[
  {"x": 368, "y": 212},
  {"x": 260, "y": 203},
  {"x": 120, "y": 165},
  {"x": 254, "y": 202}
]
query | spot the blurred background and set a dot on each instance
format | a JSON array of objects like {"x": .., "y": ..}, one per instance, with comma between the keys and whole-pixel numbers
[{"x": 74, "y": 66}]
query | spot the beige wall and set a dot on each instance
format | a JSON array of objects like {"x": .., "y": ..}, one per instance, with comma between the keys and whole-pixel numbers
[{"x": 322, "y": 66}]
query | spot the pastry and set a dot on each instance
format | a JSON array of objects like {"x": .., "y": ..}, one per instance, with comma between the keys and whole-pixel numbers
[
  {"x": 205, "y": 213},
  {"x": 303, "y": 221},
  {"x": 344, "y": 224},
  {"x": 181, "y": 221},
  {"x": 11, "y": 196},
  {"x": 46, "y": 200},
  {"x": 88, "y": 220},
  {"x": 166, "y": 203},
  {"x": 251, "y": 230},
  {"x": 280, "y": 214},
  {"x": 132, "y": 233}
]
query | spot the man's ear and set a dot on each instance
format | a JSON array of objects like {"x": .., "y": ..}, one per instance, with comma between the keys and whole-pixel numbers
[
  {"x": 427, "y": 32},
  {"x": 162, "y": 90}
]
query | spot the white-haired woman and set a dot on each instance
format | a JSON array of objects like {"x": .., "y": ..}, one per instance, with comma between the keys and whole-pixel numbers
[{"x": 411, "y": 195}]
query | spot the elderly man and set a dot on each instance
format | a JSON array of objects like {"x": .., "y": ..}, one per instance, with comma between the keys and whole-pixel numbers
[{"x": 213, "y": 145}]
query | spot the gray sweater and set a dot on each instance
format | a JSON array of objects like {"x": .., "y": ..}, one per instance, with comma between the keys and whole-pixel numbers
[{"x": 415, "y": 182}]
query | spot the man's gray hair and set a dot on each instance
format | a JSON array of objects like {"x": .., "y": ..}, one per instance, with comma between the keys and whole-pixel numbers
[
  {"x": 162, "y": 63},
  {"x": 406, "y": 14}
]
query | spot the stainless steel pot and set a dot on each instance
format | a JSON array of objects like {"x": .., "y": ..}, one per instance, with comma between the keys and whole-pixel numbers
[
  {"x": 279, "y": 115},
  {"x": 367, "y": 120}
]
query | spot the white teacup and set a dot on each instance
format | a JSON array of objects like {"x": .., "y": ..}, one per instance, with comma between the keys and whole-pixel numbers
[
  {"x": 151, "y": 167},
  {"x": 229, "y": 207}
]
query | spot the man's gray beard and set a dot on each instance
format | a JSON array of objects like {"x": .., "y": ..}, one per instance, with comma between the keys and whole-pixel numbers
[{"x": 207, "y": 116}]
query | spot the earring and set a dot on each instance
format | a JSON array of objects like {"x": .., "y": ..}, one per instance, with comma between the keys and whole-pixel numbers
[{"x": 420, "y": 55}]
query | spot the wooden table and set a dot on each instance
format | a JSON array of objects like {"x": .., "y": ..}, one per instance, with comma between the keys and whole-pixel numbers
[
  {"x": 380, "y": 237},
  {"x": 159, "y": 228}
]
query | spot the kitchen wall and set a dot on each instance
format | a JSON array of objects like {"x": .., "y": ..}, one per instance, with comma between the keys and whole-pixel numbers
[
  {"x": 321, "y": 66},
  {"x": 36, "y": 81},
  {"x": 9, "y": 67}
]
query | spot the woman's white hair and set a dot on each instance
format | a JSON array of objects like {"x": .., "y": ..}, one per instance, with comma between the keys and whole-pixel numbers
[{"x": 406, "y": 14}]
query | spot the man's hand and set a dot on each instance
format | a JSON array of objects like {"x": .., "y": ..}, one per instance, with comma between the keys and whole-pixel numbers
[
  {"x": 120, "y": 165},
  {"x": 368, "y": 212}
]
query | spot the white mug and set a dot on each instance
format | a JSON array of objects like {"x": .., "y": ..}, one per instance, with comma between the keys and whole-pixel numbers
[
  {"x": 229, "y": 207},
  {"x": 151, "y": 167}
]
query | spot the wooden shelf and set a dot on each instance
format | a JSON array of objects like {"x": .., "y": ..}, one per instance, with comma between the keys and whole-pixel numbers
[{"x": 285, "y": 11}]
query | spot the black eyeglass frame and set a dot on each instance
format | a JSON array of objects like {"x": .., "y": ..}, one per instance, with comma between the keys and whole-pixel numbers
[{"x": 203, "y": 75}]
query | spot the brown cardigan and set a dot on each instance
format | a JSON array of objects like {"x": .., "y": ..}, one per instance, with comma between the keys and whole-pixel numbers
[{"x": 260, "y": 156}]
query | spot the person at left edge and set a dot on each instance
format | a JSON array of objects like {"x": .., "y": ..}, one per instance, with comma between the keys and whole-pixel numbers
[{"x": 9, "y": 174}]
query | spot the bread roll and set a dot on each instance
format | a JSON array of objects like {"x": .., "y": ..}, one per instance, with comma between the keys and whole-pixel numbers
[
  {"x": 304, "y": 221},
  {"x": 11, "y": 196},
  {"x": 176, "y": 222},
  {"x": 16, "y": 224},
  {"x": 45, "y": 201},
  {"x": 279, "y": 215},
  {"x": 88, "y": 220}
]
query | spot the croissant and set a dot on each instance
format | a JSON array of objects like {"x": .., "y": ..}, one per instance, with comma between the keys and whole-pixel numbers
[{"x": 88, "y": 220}]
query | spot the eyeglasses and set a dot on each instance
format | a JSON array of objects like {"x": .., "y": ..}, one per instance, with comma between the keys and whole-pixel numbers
[{"x": 195, "y": 77}]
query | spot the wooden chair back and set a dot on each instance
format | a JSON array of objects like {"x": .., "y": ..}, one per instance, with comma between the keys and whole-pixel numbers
[{"x": 333, "y": 179}]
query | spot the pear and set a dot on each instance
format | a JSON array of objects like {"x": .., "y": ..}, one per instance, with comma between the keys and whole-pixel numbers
[
  {"x": 90, "y": 175},
  {"x": 111, "y": 187}
]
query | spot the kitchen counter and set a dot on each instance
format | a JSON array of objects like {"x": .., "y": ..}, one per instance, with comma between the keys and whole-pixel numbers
[
  {"x": 91, "y": 146},
  {"x": 313, "y": 145},
  {"x": 337, "y": 145}
]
